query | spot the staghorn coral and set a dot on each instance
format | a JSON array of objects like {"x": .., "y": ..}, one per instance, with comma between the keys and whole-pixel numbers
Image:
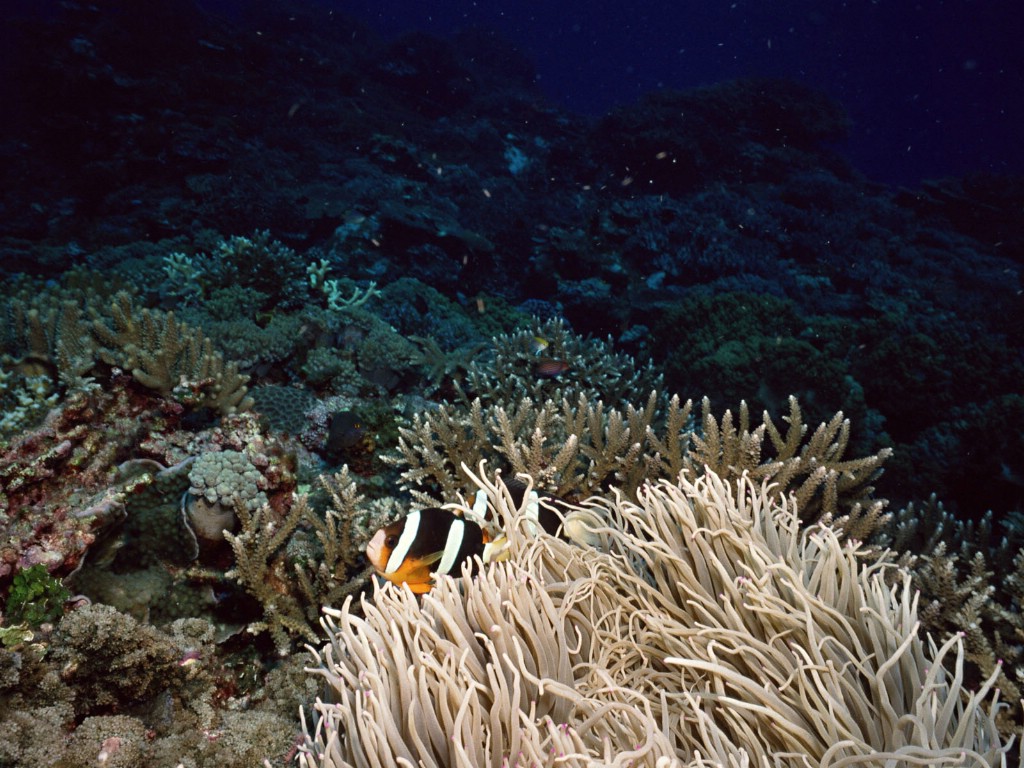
[
  {"x": 68, "y": 339},
  {"x": 970, "y": 574},
  {"x": 595, "y": 370},
  {"x": 960, "y": 594},
  {"x": 170, "y": 358},
  {"x": 291, "y": 574},
  {"x": 827, "y": 486},
  {"x": 583, "y": 447},
  {"x": 714, "y": 631}
]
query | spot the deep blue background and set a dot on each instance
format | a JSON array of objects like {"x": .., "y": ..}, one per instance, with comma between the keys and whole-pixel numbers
[{"x": 934, "y": 88}]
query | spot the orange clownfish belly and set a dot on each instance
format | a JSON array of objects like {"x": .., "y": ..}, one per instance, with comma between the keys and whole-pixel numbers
[{"x": 423, "y": 544}]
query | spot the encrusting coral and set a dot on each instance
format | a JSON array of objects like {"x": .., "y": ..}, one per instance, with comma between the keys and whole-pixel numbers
[{"x": 714, "y": 630}]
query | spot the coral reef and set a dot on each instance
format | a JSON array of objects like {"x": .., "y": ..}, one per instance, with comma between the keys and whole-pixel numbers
[
  {"x": 168, "y": 357},
  {"x": 135, "y": 695},
  {"x": 259, "y": 263},
  {"x": 160, "y": 353},
  {"x": 284, "y": 407},
  {"x": 59, "y": 488},
  {"x": 592, "y": 368},
  {"x": 221, "y": 482},
  {"x": 971, "y": 578},
  {"x": 407, "y": 262}
]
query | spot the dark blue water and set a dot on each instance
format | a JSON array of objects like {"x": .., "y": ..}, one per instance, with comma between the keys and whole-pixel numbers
[{"x": 934, "y": 88}]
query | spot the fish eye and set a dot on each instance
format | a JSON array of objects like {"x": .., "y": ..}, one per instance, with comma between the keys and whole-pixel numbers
[{"x": 391, "y": 541}]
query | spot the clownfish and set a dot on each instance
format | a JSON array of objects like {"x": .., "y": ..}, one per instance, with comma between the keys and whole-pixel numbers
[
  {"x": 435, "y": 542},
  {"x": 424, "y": 543}
]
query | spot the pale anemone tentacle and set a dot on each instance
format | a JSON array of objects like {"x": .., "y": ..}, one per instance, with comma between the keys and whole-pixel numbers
[{"x": 708, "y": 630}]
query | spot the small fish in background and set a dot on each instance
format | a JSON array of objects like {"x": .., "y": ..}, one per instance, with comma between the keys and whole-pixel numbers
[
  {"x": 345, "y": 431},
  {"x": 539, "y": 344},
  {"x": 550, "y": 368},
  {"x": 433, "y": 542}
]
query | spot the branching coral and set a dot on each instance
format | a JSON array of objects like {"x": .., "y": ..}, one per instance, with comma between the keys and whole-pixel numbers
[
  {"x": 160, "y": 352},
  {"x": 583, "y": 447},
  {"x": 258, "y": 262},
  {"x": 592, "y": 368},
  {"x": 167, "y": 356},
  {"x": 53, "y": 333},
  {"x": 716, "y": 630},
  {"x": 441, "y": 366},
  {"x": 826, "y": 484},
  {"x": 971, "y": 578},
  {"x": 292, "y": 577}
]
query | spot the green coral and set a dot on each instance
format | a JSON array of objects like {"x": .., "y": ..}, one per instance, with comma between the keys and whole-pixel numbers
[
  {"x": 326, "y": 365},
  {"x": 258, "y": 262},
  {"x": 232, "y": 317},
  {"x": 758, "y": 348},
  {"x": 35, "y": 598}
]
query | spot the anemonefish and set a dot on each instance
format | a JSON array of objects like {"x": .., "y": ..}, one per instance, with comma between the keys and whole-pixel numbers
[
  {"x": 434, "y": 542},
  {"x": 424, "y": 543}
]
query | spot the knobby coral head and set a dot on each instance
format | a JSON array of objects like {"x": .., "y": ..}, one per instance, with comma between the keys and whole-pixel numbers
[{"x": 709, "y": 628}]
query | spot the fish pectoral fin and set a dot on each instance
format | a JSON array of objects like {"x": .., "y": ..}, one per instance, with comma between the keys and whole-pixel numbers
[
  {"x": 497, "y": 550},
  {"x": 432, "y": 558}
]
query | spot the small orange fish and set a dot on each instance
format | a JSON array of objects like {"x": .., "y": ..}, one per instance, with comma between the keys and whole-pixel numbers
[{"x": 550, "y": 368}]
